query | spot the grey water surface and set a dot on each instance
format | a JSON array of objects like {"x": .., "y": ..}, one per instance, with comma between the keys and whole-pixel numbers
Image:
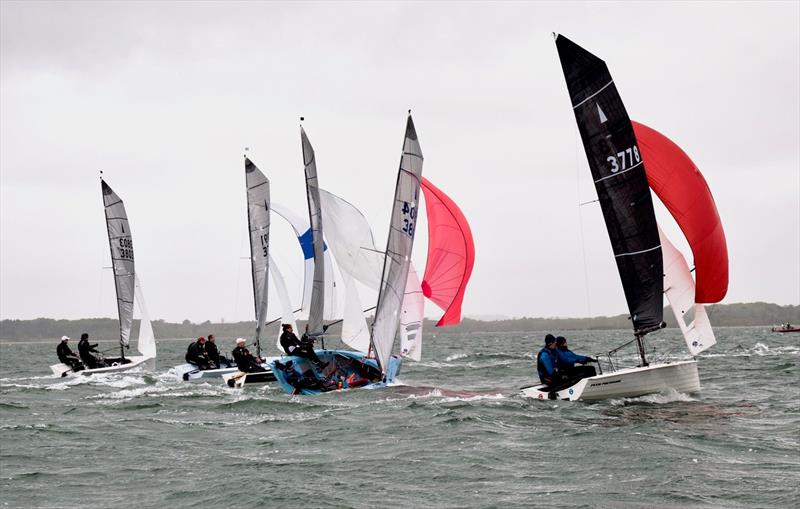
[{"x": 454, "y": 434}]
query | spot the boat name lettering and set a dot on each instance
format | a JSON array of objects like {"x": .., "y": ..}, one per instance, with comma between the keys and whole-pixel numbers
[
  {"x": 620, "y": 162},
  {"x": 605, "y": 383}
]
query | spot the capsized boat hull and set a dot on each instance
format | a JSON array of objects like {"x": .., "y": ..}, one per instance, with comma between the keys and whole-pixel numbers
[
  {"x": 628, "y": 383},
  {"x": 148, "y": 363},
  {"x": 342, "y": 365}
]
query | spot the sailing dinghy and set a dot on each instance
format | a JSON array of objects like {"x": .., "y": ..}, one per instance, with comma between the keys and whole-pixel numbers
[
  {"x": 378, "y": 366},
  {"x": 128, "y": 290},
  {"x": 627, "y": 160}
]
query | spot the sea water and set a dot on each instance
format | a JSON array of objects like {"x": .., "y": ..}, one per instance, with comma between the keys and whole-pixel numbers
[{"x": 454, "y": 433}]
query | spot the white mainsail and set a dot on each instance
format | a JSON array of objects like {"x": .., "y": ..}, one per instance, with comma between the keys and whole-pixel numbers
[
  {"x": 121, "y": 244},
  {"x": 411, "y": 317},
  {"x": 398, "y": 248},
  {"x": 287, "y": 314},
  {"x": 679, "y": 288},
  {"x": 146, "y": 344},
  {"x": 258, "y": 224}
]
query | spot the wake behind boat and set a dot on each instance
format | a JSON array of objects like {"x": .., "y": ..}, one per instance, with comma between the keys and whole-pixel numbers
[
  {"x": 128, "y": 289},
  {"x": 626, "y": 160}
]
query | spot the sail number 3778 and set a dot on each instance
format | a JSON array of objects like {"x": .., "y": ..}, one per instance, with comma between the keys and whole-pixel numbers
[
  {"x": 409, "y": 218},
  {"x": 625, "y": 159}
]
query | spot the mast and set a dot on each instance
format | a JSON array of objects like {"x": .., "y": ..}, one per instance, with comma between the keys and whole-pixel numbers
[
  {"x": 258, "y": 208},
  {"x": 621, "y": 183},
  {"x": 399, "y": 244},
  {"x": 317, "y": 308},
  {"x": 122, "y": 260}
]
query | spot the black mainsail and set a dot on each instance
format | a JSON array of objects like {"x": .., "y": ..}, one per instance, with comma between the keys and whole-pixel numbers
[
  {"x": 121, "y": 244},
  {"x": 317, "y": 308},
  {"x": 258, "y": 224},
  {"x": 620, "y": 180}
]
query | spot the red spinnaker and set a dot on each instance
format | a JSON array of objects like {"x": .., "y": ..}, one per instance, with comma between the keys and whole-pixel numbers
[
  {"x": 683, "y": 190},
  {"x": 451, "y": 254}
]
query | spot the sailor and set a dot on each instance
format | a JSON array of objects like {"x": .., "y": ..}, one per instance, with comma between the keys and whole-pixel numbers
[
  {"x": 212, "y": 351},
  {"x": 566, "y": 360},
  {"x": 67, "y": 356},
  {"x": 244, "y": 359},
  {"x": 307, "y": 380},
  {"x": 85, "y": 349},
  {"x": 300, "y": 348},
  {"x": 196, "y": 354},
  {"x": 546, "y": 362}
]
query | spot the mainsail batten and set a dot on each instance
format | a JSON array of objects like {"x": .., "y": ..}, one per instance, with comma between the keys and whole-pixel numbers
[
  {"x": 400, "y": 242},
  {"x": 122, "y": 260},
  {"x": 618, "y": 172}
]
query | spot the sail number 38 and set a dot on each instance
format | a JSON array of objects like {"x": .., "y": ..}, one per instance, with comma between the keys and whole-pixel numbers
[
  {"x": 625, "y": 159},
  {"x": 409, "y": 218}
]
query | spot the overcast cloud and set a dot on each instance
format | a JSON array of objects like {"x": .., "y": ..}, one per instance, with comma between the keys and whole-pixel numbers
[{"x": 165, "y": 96}]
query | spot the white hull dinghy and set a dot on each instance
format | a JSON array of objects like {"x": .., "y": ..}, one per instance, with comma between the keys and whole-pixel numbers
[
  {"x": 627, "y": 159},
  {"x": 128, "y": 290}
]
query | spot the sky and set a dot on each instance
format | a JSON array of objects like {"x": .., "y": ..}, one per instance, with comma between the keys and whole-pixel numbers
[{"x": 165, "y": 96}]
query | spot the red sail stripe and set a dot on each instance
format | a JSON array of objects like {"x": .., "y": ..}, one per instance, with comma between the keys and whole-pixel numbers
[
  {"x": 683, "y": 190},
  {"x": 451, "y": 254}
]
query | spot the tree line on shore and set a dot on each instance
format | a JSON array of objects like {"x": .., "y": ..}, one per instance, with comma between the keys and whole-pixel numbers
[{"x": 722, "y": 315}]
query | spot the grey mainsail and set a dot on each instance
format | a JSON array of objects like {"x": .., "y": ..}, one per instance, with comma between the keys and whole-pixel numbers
[
  {"x": 258, "y": 224},
  {"x": 398, "y": 247},
  {"x": 121, "y": 244},
  {"x": 317, "y": 308}
]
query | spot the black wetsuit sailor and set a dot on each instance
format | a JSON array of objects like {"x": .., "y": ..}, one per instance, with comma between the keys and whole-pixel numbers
[
  {"x": 67, "y": 356},
  {"x": 196, "y": 354},
  {"x": 244, "y": 359},
  {"x": 85, "y": 349},
  {"x": 212, "y": 351},
  {"x": 300, "y": 348}
]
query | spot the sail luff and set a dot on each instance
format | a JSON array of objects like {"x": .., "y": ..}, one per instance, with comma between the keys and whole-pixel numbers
[
  {"x": 122, "y": 260},
  {"x": 258, "y": 222},
  {"x": 317, "y": 308},
  {"x": 618, "y": 172},
  {"x": 399, "y": 244}
]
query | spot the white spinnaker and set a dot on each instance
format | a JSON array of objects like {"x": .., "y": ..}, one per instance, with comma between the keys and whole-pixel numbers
[
  {"x": 411, "y": 316},
  {"x": 402, "y": 227},
  {"x": 679, "y": 287},
  {"x": 121, "y": 244},
  {"x": 350, "y": 238},
  {"x": 258, "y": 225},
  {"x": 303, "y": 232},
  {"x": 146, "y": 344},
  {"x": 287, "y": 314},
  {"x": 355, "y": 331}
]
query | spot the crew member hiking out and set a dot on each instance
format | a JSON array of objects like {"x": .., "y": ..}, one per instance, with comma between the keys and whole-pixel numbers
[
  {"x": 546, "y": 362},
  {"x": 567, "y": 360},
  {"x": 67, "y": 356},
  {"x": 86, "y": 349},
  {"x": 244, "y": 359},
  {"x": 299, "y": 348},
  {"x": 196, "y": 354}
]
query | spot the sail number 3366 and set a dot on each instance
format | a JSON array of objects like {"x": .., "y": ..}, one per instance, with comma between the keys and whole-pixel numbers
[
  {"x": 625, "y": 159},
  {"x": 409, "y": 218}
]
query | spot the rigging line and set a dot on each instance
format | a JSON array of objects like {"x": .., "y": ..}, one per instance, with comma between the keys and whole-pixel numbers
[{"x": 580, "y": 225}]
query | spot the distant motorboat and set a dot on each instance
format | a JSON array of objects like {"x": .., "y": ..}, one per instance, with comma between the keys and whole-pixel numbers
[{"x": 786, "y": 327}]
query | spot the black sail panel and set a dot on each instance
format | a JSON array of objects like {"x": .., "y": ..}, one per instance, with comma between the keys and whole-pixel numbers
[{"x": 620, "y": 180}]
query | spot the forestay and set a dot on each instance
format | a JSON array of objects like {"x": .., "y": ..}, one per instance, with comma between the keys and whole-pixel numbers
[
  {"x": 121, "y": 244},
  {"x": 258, "y": 208},
  {"x": 317, "y": 307},
  {"x": 680, "y": 290},
  {"x": 618, "y": 171},
  {"x": 402, "y": 227}
]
